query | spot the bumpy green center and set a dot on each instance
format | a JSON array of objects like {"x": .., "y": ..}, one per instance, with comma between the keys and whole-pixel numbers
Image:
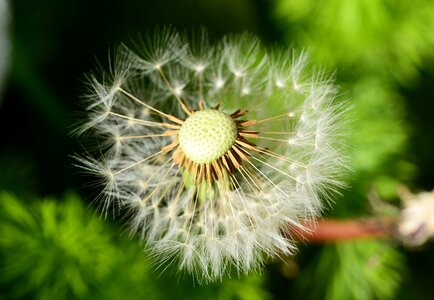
[{"x": 207, "y": 135}]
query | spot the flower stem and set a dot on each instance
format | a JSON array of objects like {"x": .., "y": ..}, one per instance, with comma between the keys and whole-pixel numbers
[{"x": 332, "y": 230}]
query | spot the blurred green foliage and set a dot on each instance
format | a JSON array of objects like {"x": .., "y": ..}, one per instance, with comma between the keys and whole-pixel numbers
[
  {"x": 55, "y": 248},
  {"x": 390, "y": 38},
  {"x": 51, "y": 249},
  {"x": 353, "y": 271},
  {"x": 378, "y": 49}
]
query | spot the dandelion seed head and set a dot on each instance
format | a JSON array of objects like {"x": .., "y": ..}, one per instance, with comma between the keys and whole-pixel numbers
[
  {"x": 280, "y": 83},
  {"x": 219, "y": 83},
  {"x": 199, "y": 68},
  {"x": 245, "y": 91},
  {"x": 238, "y": 73},
  {"x": 297, "y": 87},
  {"x": 207, "y": 135},
  {"x": 217, "y": 150},
  {"x": 178, "y": 90}
]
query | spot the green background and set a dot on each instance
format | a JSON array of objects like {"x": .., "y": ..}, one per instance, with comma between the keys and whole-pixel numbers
[{"x": 53, "y": 245}]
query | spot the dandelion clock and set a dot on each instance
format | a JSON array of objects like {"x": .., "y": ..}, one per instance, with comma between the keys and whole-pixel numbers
[{"x": 214, "y": 152}]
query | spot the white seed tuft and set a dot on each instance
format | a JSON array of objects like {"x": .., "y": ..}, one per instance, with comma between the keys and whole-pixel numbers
[{"x": 216, "y": 151}]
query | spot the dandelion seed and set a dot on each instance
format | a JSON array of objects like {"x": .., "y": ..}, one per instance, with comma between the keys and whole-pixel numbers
[{"x": 214, "y": 173}]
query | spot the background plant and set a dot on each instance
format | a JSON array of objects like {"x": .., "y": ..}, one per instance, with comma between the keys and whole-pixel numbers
[{"x": 382, "y": 53}]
